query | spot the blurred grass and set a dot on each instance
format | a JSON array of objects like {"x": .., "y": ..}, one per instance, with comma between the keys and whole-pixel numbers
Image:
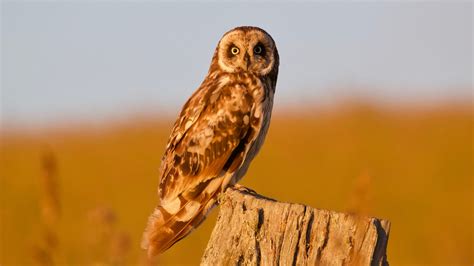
[{"x": 413, "y": 167}]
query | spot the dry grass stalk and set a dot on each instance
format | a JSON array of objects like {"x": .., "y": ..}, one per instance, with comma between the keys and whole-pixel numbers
[
  {"x": 361, "y": 195},
  {"x": 50, "y": 204},
  {"x": 110, "y": 245},
  {"x": 45, "y": 252}
]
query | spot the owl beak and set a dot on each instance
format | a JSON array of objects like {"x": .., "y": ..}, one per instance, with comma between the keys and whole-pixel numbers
[{"x": 247, "y": 61}]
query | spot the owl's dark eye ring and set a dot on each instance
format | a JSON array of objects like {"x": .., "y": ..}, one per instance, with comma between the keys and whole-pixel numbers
[
  {"x": 258, "y": 49},
  {"x": 234, "y": 50}
]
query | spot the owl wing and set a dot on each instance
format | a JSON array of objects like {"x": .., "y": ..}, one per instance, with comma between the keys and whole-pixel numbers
[
  {"x": 205, "y": 139},
  {"x": 209, "y": 141}
]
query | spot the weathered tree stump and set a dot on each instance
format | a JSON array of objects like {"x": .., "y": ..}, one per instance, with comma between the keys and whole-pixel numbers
[{"x": 254, "y": 230}]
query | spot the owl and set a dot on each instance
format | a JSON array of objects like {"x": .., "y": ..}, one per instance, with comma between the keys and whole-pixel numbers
[{"x": 217, "y": 134}]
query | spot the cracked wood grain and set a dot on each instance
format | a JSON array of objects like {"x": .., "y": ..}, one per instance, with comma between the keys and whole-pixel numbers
[{"x": 255, "y": 230}]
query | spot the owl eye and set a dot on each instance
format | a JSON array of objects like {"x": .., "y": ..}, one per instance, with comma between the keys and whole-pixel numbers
[
  {"x": 258, "y": 49},
  {"x": 234, "y": 50}
]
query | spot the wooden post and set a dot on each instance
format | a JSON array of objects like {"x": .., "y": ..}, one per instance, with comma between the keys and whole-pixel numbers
[{"x": 254, "y": 230}]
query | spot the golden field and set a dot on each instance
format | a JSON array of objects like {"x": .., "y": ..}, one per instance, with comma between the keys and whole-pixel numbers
[{"x": 81, "y": 195}]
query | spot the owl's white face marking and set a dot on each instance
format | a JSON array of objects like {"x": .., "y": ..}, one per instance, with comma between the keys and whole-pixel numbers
[{"x": 246, "y": 50}]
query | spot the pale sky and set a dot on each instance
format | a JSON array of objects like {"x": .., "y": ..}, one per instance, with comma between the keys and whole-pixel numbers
[{"x": 91, "y": 59}]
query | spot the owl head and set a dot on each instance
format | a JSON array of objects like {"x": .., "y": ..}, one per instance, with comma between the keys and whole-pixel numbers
[{"x": 247, "y": 49}]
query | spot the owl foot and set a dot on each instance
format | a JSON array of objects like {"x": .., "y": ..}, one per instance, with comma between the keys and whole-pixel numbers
[
  {"x": 243, "y": 189},
  {"x": 220, "y": 197}
]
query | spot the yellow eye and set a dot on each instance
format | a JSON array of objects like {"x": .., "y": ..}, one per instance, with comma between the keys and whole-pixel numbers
[
  {"x": 234, "y": 50},
  {"x": 258, "y": 49}
]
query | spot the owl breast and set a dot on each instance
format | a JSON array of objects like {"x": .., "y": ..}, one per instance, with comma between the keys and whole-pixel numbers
[{"x": 262, "y": 93}]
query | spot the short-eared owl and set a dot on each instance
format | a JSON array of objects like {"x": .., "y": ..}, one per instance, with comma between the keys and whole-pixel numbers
[{"x": 217, "y": 134}]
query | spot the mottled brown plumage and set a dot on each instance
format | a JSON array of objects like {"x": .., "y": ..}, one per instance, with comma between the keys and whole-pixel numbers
[{"x": 218, "y": 132}]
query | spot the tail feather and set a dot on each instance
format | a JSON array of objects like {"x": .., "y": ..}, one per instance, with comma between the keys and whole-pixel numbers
[{"x": 171, "y": 221}]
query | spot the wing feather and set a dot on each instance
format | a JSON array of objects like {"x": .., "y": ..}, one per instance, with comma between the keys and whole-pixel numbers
[{"x": 210, "y": 128}]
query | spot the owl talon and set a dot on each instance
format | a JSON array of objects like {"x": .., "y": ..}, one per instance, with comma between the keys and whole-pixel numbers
[
  {"x": 220, "y": 198},
  {"x": 243, "y": 189}
]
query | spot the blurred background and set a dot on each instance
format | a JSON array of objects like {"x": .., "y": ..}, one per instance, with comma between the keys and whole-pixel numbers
[{"x": 372, "y": 115}]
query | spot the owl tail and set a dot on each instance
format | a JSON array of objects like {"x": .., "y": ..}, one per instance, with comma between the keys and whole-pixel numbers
[{"x": 173, "y": 220}]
